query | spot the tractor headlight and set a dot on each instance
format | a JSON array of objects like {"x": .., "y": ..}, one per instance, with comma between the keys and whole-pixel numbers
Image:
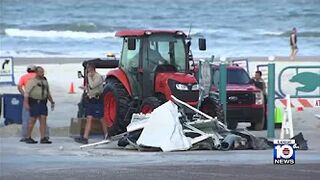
[
  {"x": 182, "y": 87},
  {"x": 259, "y": 98},
  {"x": 195, "y": 87}
]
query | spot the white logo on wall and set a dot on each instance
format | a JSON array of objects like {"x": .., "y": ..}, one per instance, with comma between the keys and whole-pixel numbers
[{"x": 15, "y": 101}]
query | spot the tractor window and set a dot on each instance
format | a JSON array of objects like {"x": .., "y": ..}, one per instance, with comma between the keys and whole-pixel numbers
[
  {"x": 167, "y": 50},
  {"x": 157, "y": 52},
  {"x": 163, "y": 49},
  {"x": 130, "y": 58},
  {"x": 179, "y": 53}
]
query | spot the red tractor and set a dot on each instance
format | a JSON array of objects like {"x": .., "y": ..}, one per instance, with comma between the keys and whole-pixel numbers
[{"x": 154, "y": 65}]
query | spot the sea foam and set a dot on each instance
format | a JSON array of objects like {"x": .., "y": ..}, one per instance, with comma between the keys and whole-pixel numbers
[{"x": 58, "y": 34}]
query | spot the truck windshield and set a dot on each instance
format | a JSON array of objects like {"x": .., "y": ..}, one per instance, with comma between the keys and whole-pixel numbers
[
  {"x": 237, "y": 76},
  {"x": 164, "y": 49}
]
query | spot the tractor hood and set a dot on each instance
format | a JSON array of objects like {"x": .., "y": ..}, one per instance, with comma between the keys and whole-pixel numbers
[
  {"x": 183, "y": 86},
  {"x": 176, "y": 76}
]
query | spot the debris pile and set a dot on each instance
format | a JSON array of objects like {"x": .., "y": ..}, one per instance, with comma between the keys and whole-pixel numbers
[{"x": 168, "y": 128}]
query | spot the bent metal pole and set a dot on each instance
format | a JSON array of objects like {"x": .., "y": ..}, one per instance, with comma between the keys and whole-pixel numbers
[
  {"x": 222, "y": 87},
  {"x": 271, "y": 94}
]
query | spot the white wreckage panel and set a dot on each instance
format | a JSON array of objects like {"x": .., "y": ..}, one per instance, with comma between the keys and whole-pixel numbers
[{"x": 163, "y": 129}]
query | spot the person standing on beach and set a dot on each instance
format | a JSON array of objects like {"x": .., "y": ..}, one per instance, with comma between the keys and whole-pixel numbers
[
  {"x": 93, "y": 102},
  {"x": 25, "y": 114},
  {"x": 293, "y": 43},
  {"x": 259, "y": 82},
  {"x": 21, "y": 87},
  {"x": 36, "y": 95}
]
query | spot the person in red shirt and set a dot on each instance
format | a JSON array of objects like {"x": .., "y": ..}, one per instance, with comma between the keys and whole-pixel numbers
[
  {"x": 26, "y": 77},
  {"x": 25, "y": 113}
]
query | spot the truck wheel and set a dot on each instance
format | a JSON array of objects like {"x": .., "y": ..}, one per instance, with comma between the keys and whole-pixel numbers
[
  {"x": 149, "y": 104},
  {"x": 116, "y": 106},
  {"x": 259, "y": 125}
]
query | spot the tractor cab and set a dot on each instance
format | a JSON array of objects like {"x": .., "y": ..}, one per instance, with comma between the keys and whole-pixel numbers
[
  {"x": 147, "y": 53},
  {"x": 154, "y": 65}
]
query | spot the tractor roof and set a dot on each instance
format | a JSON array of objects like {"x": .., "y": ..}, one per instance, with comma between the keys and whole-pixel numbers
[{"x": 125, "y": 33}]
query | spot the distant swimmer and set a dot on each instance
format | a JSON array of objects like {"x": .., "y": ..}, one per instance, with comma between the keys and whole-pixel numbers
[{"x": 293, "y": 43}]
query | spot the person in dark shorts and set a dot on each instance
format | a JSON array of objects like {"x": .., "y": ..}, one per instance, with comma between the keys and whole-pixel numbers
[
  {"x": 293, "y": 43},
  {"x": 36, "y": 95},
  {"x": 93, "y": 102},
  {"x": 25, "y": 114}
]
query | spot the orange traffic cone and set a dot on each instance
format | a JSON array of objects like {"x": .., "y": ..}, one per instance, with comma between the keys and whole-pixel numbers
[{"x": 71, "y": 89}]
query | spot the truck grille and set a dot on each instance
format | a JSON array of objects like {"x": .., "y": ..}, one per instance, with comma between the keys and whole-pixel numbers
[{"x": 238, "y": 98}]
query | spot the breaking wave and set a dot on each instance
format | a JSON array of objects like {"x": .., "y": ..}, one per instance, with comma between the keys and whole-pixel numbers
[
  {"x": 58, "y": 34},
  {"x": 78, "y": 27}
]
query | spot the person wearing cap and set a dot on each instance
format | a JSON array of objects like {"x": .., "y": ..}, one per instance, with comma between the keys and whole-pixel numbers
[
  {"x": 36, "y": 95},
  {"x": 25, "y": 114}
]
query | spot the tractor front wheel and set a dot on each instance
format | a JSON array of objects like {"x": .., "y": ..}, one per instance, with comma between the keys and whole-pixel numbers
[{"x": 116, "y": 106}]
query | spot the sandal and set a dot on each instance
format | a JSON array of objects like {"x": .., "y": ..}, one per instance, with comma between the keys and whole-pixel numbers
[
  {"x": 45, "y": 140},
  {"x": 81, "y": 140},
  {"x": 30, "y": 141}
]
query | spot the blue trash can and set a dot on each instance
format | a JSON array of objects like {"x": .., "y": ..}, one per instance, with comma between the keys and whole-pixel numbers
[{"x": 12, "y": 108}]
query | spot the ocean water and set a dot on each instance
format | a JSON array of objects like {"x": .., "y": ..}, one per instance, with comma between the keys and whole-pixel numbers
[{"x": 76, "y": 28}]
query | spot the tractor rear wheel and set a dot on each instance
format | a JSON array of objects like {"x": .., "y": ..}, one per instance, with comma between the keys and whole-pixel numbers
[
  {"x": 149, "y": 104},
  {"x": 116, "y": 107}
]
